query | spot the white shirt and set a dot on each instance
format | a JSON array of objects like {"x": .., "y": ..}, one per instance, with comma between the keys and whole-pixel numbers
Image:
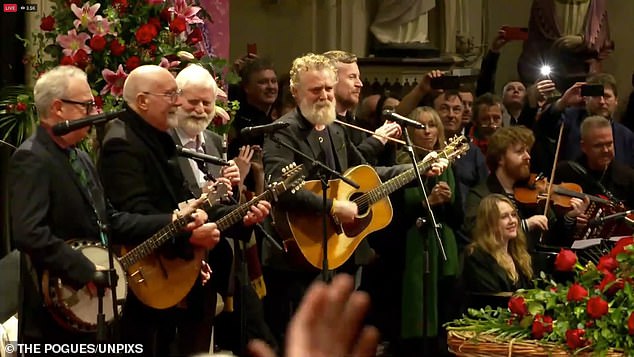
[{"x": 196, "y": 143}]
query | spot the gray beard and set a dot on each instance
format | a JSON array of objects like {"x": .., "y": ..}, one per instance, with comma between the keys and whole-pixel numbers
[
  {"x": 323, "y": 115},
  {"x": 191, "y": 125}
]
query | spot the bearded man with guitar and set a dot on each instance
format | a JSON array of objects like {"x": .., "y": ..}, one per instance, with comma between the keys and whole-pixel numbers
[
  {"x": 140, "y": 172},
  {"x": 313, "y": 132},
  {"x": 55, "y": 195}
]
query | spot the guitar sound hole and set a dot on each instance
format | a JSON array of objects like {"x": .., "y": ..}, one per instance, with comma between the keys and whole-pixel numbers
[{"x": 362, "y": 207}]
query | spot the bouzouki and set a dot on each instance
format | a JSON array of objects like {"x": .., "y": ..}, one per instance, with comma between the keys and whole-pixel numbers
[
  {"x": 299, "y": 231},
  {"x": 160, "y": 282}
]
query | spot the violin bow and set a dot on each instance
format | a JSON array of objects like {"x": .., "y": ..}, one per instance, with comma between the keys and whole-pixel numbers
[
  {"x": 552, "y": 177},
  {"x": 375, "y": 134}
]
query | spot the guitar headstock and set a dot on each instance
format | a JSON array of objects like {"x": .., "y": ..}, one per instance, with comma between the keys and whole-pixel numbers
[
  {"x": 456, "y": 147},
  {"x": 293, "y": 176}
]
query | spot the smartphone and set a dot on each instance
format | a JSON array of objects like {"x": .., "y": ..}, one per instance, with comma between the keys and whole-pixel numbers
[
  {"x": 592, "y": 90},
  {"x": 515, "y": 33},
  {"x": 445, "y": 82},
  {"x": 252, "y": 48}
]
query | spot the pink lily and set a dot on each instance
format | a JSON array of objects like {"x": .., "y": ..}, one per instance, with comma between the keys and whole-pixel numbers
[
  {"x": 99, "y": 26},
  {"x": 73, "y": 42},
  {"x": 180, "y": 8},
  {"x": 165, "y": 63},
  {"x": 85, "y": 15},
  {"x": 114, "y": 81}
]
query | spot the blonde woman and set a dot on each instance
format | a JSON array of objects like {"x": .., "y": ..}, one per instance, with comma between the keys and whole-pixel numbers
[
  {"x": 446, "y": 206},
  {"x": 497, "y": 260}
]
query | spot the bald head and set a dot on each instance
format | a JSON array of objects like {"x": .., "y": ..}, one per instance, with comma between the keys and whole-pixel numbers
[{"x": 151, "y": 91}]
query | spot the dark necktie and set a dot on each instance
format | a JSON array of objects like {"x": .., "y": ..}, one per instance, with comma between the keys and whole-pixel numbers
[{"x": 88, "y": 187}]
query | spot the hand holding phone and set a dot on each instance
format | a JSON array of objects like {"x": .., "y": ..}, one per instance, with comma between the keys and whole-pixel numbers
[
  {"x": 592, "y": 90},
  {"x": 512, "y": 33},
  {"x": 445, "y": 82}
]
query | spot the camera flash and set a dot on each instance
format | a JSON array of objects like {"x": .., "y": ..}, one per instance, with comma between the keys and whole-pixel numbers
[{"x": 545, "y": 70}]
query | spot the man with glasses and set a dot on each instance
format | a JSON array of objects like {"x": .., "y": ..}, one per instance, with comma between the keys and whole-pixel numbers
[
  {"x": 471, "y": 167},
  {"x": 139, "y": 168},
  {"x": 55, "y": 195}
]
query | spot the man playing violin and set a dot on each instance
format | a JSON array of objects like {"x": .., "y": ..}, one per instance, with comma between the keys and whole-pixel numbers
[
  {"x": 596, "y": 170},
  {"x": 508, "y": 159}
]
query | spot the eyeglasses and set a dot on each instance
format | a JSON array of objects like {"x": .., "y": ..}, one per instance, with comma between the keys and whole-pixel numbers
[
  {"x": 88, "y": 105},
  {"x": 172, "y": 95}
]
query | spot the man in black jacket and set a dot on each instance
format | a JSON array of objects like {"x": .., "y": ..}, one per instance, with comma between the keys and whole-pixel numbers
[
  {"x": 65, "y": 201},
  {"x": 140, "y": 171}
]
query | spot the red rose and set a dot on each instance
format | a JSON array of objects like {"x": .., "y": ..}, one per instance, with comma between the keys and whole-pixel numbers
[
  {"x": 541, "y": 325},
  {"x": 152, "y": 49},
  {"x": 116, "y": 47},
  {"x": 517, "y": 305},
  {"x": 20, "y": 107},
  {"x": 99, "y": 101},
  {"x": 620, "y": 246},
  {"x": 576, "y": 293},
  {"x": 199, "y": 54},
  {"x": 47, "y": 23},
  {"x": 630, "y": 324},
  {"x": 145, "y": 34},
  {"x": 607, "y": 263},
  {"x": 132, "y": 63},
  {"x": 156, "y": 22},
  {"x": 597, "y": 307},
  {"x": 195, "y": 36},
  {"x": 67, "y": 61},
  {"x": 566, "y": 260},
  {"x": 120, "y": 5},
  {"x": 178, "y": 25},
  {"x": 98, "y": 43},
  {"x": 166, "y": 15},
  {"x": 81, "y": 58},
  {"x": 575, "y": 339}
]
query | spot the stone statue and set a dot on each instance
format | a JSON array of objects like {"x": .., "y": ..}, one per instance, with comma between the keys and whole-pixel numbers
[
  {"x": 572, "y": 36},
  {"x": 402, "y": 21}
]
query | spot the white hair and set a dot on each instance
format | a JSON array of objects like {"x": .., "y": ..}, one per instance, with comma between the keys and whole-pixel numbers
[
  {"x": 53, "y": 85},
  {"x": 196, "y": 75}
]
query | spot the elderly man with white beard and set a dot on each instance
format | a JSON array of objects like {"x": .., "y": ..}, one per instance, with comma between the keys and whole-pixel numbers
[
  {"x": 198, "y": 109},
  {"x": 312, "y": 131}
]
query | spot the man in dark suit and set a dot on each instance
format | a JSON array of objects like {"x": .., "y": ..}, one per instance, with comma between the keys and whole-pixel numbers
[
  {"x": 199, "y": 92},
  {"x": 312, "y": 131},
  {"x": 55, "y": 195},
  {"x": 140, "y": 171}
]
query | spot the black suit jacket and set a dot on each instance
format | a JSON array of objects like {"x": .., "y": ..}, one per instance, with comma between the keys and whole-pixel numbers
[{"x": 49, "y": 206}]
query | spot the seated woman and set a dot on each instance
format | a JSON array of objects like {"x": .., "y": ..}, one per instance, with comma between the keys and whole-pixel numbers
[
  {"x": 497, "y": 261},
  {"x": 444, "y": 201}
]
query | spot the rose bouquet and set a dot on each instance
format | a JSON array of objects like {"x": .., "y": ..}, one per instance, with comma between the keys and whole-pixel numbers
[{"x": 593, "y": 313}]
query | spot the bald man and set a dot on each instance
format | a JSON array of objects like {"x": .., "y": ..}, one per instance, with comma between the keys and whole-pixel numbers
[{"x": 140, "y": 173}]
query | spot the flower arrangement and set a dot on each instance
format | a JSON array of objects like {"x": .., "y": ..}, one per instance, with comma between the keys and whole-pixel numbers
[
  {"x": 593, "y": 313},
  {"x": 108, "y": 39}
]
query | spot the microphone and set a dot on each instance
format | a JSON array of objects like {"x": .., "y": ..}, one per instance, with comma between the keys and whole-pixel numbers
[
  {"x": 67, "y": 126},
  {"x": 263, "y": 129},
  {"x": 402, "y": 120},
  {"x": 194, "y": 155},
  {"x": 601, "y": 220}
]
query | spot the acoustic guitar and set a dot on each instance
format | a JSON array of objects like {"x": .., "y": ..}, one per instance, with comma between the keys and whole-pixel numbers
[
  {"x": 302, "y": 231},
  {"x": 161, "y": 282}
]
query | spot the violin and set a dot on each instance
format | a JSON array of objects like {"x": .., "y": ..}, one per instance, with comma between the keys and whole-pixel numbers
[{"x": 537, "y": 189}]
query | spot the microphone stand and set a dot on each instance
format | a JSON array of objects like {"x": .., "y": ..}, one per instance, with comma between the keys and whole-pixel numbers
[
  {"x": 322, "y": 171},
  {"x": 420, "y": 225},
  {"x": 103, "y": 280}
]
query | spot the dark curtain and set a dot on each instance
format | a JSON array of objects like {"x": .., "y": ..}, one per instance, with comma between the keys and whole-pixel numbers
[{"x": 11, "y": 72}]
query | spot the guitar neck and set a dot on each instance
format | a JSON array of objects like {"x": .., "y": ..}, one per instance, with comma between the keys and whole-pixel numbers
[
  {"x": 391, "y": 185},
  {"x": 151, "y": 244},
  {"x": 236, "y": 215}
]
